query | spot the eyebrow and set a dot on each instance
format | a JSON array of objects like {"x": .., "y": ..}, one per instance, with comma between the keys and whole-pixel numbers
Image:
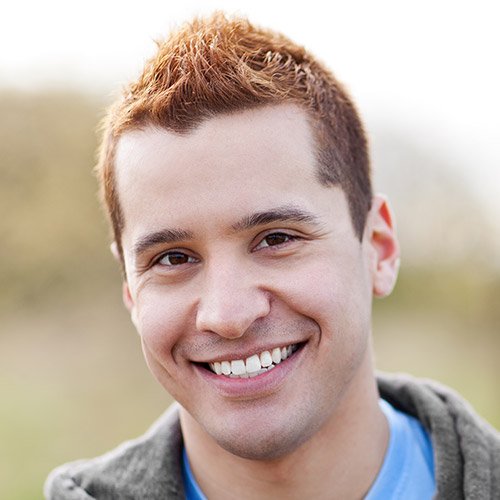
[
  {"x": 161, "y": 237},
  {"x": 286, "y": 213}
]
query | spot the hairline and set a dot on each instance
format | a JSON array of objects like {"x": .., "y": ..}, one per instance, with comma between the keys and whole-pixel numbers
[{"x": 314, "y": 122}]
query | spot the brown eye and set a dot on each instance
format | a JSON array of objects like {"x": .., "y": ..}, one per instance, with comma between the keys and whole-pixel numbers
[
  {"x": 276, "y": 239},
  {"x": 175, "y": 259}
]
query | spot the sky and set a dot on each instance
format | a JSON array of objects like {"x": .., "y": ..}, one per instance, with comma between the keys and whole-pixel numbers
[{"x": 428, "y": 69}]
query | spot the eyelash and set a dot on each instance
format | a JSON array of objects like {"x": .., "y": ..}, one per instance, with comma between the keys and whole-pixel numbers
[
  {"x": 190, "y": 259},
  {"x": 289, "y": 238},
  {"x": 171, "y": 253}
]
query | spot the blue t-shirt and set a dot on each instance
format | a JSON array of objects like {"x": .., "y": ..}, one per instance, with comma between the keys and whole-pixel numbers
[
  {"x": 408, "y": 468},
  {"x": 407, "y": 471}
]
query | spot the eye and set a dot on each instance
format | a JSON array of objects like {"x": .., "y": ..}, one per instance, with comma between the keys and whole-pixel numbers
[
  {"x": 275, "y": 239},
  {"x": 175, "y": 258}
]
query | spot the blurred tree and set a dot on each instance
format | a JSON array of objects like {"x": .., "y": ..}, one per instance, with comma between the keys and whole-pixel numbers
[{"x": 53, "y": 235}]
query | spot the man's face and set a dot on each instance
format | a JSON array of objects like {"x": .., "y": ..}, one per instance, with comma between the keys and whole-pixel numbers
[{"x": 233, "y": 249}]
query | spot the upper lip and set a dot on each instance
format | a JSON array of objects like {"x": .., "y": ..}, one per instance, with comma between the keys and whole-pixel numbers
[{"x": 243, "y": 354}]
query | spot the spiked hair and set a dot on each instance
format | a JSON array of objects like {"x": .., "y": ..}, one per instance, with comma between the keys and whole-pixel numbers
[{"x": 218, "y": 65}]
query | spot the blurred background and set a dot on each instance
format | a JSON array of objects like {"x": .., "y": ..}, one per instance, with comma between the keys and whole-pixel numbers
[{"x": 72, "y": 380}]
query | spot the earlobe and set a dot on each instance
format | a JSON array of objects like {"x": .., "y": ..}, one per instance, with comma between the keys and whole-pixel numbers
[{"x": 385, "y": 247}]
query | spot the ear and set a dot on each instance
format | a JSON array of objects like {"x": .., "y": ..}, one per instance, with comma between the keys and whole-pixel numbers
[
  {"x": 114, "y": 250},
  {"x": 385, "y": 246},
  {"x": 129, "y": 302},
  {"x": 126, "y": 295}
]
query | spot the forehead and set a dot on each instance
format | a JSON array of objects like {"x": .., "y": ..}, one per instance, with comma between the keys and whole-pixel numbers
[
  {"x": 244, "y": 138},
  {"x": 227, "y": 167}
]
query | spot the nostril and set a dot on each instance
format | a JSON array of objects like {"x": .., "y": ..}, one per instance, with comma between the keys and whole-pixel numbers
[{"x": 230, "y": 297}]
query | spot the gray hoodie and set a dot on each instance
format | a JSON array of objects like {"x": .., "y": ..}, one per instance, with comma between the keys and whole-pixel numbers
[{"x": 466, "y": 452}]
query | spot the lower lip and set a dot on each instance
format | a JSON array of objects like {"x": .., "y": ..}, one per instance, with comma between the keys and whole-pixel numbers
[{"x": 258, "y": 386}]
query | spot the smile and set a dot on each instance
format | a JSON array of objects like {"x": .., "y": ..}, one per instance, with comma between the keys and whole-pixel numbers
[{"x": 253, "y": 365}]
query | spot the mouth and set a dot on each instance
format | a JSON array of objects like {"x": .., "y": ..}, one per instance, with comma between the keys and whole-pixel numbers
[{"x": 254, "y": 365}]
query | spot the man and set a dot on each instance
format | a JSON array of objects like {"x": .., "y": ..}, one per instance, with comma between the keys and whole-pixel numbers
[{"x": 236, "y": 175}]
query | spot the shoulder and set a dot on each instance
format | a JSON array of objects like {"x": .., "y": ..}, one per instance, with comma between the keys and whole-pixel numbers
[
  {"x": 434, "y": 404},
  {"x": 146, "y": 467},
  {"x": 466, "y": 448}
]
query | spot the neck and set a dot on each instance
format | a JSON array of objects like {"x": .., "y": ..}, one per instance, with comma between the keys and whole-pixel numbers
[{"x": 340, "y": 461}]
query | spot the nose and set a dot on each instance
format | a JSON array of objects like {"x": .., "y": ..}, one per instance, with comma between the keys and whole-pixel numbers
[{"x": 230, "y": 302}]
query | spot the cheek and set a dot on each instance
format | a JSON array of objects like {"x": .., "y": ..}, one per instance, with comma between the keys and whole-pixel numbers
[
  {"x": 324, "y": 289},
  {"x": 161, "y": 325},
  {"x": 336, "y": 297},
  {"x": 164, "y": 373},
  {"x": 161, "y": 320}
]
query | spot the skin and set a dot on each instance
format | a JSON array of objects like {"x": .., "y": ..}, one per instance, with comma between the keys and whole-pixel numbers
[{"x": 207, "y": 281}]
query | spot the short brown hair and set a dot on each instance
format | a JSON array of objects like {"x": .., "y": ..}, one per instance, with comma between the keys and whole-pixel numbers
[{"x": 219, "y": 65}]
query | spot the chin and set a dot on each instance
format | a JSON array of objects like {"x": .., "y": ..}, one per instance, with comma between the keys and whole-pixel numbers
[
  {"x": 264, "y": 441},
  {"x": 261, "y": 448}
]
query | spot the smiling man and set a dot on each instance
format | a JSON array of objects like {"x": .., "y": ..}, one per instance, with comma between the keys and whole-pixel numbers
[{"x": 236, "y": 175}]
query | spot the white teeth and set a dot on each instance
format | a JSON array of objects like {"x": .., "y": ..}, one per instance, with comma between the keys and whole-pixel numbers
[
  {"x": 238, "y": 367},
  {"x": 253, "y": 365},
  {"x": 276, "y": 355},
  {"x": 260, "y": 372},
  {"x": 266, "y": 359},
  {"x": 225, "y": 367}
]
